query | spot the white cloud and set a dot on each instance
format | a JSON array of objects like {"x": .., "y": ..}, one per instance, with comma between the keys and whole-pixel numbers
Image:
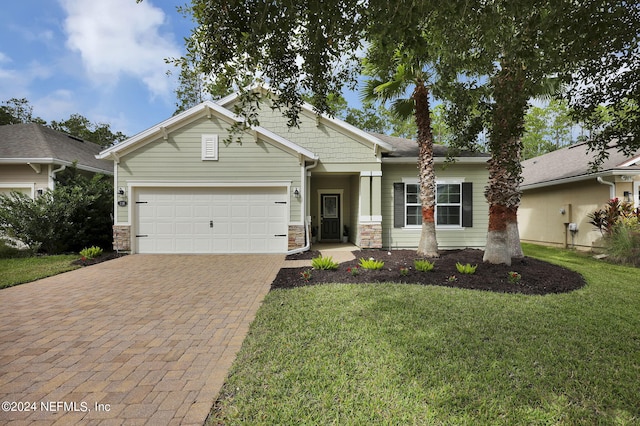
[{"x": 121, "y": 38}]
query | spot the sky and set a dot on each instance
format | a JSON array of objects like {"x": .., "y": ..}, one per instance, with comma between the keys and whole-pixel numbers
[{"x": 103, "y": 59}]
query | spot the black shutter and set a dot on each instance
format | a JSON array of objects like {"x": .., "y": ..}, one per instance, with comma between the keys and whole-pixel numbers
[
  {"x": 398, "y": 205},
  {"x": 467, "y": 204}
]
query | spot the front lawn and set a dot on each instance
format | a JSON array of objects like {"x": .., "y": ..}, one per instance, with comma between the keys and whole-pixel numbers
[
  {"x": 354, "y": 354},
  {"x": 25, "y": 269}
]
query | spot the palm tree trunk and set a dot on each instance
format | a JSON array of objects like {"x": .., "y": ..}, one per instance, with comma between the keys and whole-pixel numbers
[
  {"x": 503, "y": 191},
  {"x": 515, "y": 249},
  {"x": 428, "y": 244}
]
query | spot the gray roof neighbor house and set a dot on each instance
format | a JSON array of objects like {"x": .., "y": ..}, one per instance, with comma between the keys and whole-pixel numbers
[{"x": 32, "y": 154}]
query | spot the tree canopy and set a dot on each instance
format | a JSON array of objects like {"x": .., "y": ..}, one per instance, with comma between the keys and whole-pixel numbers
[{"x": 16, "y": 111}]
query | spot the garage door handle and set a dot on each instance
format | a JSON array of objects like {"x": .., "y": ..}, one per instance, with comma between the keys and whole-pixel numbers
[
  {"x": 280, "y": 235},
  {"x": 210, "y": 224}
]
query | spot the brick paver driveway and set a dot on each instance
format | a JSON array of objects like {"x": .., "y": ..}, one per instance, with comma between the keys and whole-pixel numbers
[{"x": 143, "y": 339}]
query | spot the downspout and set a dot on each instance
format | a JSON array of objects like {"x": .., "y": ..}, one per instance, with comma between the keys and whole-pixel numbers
[
  {"x": 307, "y": 237},
  {"x": 53, "y": 175},
  {"x": 612, "y": 187}
]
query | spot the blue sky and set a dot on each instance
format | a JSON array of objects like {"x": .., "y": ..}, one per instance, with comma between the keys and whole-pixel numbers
[{"x": 103, "y": 59}]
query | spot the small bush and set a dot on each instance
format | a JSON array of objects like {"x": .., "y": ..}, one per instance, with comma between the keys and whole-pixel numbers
[
  {"x": 466, "y": 269},
  {"x": 306, "y": 275},
  {"x": 371, "y": 264},
  {"x": 623, "y": 245},
  {"x": 423, "y": 265},
  {"x": 91, "y": 252},
  {"x": 326, "y": 263},
  {"x": 514, "y": 277}
]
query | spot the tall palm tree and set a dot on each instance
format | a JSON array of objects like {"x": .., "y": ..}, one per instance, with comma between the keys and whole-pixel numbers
[{"x": 392, "y": 84}]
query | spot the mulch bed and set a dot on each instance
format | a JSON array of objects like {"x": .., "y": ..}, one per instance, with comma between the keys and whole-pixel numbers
[
  {"x": 538, "y": 277},
  {"x": 98, "y": 259}
]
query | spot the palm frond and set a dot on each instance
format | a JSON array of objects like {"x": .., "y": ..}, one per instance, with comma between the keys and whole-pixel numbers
[{"x": 403, "y": 108}]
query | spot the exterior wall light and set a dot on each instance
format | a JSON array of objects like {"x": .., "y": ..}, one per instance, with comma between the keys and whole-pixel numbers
[{"x": 296, "y": 193}]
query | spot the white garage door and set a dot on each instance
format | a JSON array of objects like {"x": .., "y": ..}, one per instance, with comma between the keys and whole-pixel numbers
[{"x": 211, "y": 220}]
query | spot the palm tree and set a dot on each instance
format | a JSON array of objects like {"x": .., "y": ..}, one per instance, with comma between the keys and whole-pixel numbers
[
  {"x": 505, "y": 171},
  {"x": 392, "y": 83}
]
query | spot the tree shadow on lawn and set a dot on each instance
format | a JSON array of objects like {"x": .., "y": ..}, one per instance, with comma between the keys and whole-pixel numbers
[{"x": 536, "y": 276}]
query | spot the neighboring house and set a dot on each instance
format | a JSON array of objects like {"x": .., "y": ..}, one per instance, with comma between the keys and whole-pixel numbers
[
  {"x": 560, "y": 190},
  {"x": 31, "y": 155},
  {"x": 180, "y": 189}
]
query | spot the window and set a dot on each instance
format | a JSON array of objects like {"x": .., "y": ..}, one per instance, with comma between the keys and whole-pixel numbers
[
  {"x": 209, "y": 147},
  {"x": 413, "y": 205},
  {"x": 453, "y": 205},
  {"x": 448, "y": 204}
]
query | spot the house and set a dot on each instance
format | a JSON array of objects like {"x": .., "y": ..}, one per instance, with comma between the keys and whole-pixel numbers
[
  {"x": 181, "y": 189},
  {"x": 31, "y": 155},
  {"x": 560, "y": 190}
]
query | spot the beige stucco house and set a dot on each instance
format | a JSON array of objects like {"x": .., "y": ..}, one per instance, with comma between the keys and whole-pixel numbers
[
  {"x": 181, "y": 189},
  {"x": 31, "y": 155},
  {"x": 559, "y": 191}
]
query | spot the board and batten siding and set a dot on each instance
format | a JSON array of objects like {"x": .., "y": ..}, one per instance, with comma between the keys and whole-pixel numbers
[
  {"x": 448, "y": 238},
  {"x": 179, "y": 159}
]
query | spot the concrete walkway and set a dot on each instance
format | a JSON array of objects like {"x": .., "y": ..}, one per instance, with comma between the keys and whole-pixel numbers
[
  {"x": 340, "y": 252},
  {"x": 143, "y": 339}
]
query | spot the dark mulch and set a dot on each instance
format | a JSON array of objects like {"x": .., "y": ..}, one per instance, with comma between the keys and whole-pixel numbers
[
  {"x": 102, "y": 258},
  {"x": 538, "y": 277}
]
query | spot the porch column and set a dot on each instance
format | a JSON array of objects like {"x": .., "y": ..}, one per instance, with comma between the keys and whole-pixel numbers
[
  {"x": 376, "y": 196},
  {"x": 365, "y": 195},
  {"x": 370, "y": 220}
]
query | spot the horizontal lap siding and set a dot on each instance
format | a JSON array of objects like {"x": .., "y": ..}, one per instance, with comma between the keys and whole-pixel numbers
[
  {"x": 447, "y": 238},
  {"x": 178, "y": 159},
  {"x": 332, "y": 144}
]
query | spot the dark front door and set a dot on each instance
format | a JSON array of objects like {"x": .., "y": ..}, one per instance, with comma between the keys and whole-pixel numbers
[{"x": 330, "y": 217}]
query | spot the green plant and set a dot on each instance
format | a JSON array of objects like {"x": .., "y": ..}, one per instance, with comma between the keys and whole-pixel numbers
[
  {"x": 466, "y": 269},
  {"x": 326, "y": 263},
  {"x": 306, "y": 275},
  {"x": 76, "y": 214},
  {"x": 452, "y": 278},
  {"x": 371, "y": 264},
  {"x": 514, "y": 277},
  {"x": 354, "y": 271},
  {"x": 91, "y": 252},
  {"x": 623, "y": 244},
  {"x": 404, "y": 271},
  {"x": 423, "y": 265}
]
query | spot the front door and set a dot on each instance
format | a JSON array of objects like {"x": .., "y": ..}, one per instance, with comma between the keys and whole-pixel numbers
[{"x": 330, "y": 217}]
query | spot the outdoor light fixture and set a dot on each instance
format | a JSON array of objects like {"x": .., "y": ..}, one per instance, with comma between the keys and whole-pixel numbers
[
  {"x": 122, "y": 197},
  {"x": 296, "y": 193}
]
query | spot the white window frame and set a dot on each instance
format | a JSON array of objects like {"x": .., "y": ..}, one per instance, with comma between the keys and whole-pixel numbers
[
  {"x": 449, "y": 181},
  {"x": 459, "y": 204},
  {"x": 209, "y": 147}
]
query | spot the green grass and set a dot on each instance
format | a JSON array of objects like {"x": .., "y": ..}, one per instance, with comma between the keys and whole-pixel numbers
[
  {"x": 404, "y": 354},
  {"x": 26, "y": 269}
]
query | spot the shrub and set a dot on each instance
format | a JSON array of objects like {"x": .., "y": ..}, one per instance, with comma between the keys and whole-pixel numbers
[
  {"x": 514, "y": 277},
  {"x": 606, "y": 218},
  {"x": 371, "y": 264},
  {"x": 306, "y": 275},
  {"x": 76, "y": 214},
  {"x": 623, "y": 244},
  {"x": 91, "y": 252},
  {"x": 326, "y": 263},
  {"x": 466, "y": 269},
  {"x": 423, "y": 265}
]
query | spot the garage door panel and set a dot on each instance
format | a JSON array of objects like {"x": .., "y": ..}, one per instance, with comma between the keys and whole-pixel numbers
[{"x": 178, "y": 220}]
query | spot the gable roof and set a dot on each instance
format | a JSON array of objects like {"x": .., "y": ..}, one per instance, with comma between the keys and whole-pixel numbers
[
  {"x": 403, "y": 148},
  {"x": 206, "y": 107},
  {"x": 572, "y": 164},
  {"x": 35, "y": 143},
  {"x": 307, "y": 108}
]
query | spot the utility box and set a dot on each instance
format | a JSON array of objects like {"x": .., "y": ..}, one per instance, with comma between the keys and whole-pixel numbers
[{"x": 573, "y": 227}]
